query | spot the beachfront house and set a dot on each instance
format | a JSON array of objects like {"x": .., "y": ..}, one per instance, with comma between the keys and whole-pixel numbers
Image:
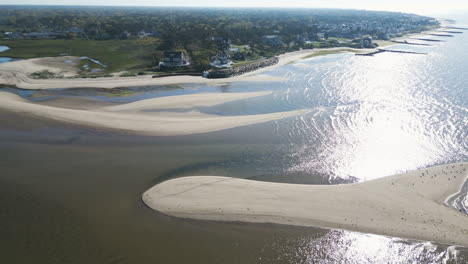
[
  {"x": 240, "y": 56},
  {"x": 222, "y": 43},
  {"x": 173, "y": 59},
  {"x": 320, "y": 36},
  {"x": 222, "y": 60},
  {"x": 366, "y": 43}
]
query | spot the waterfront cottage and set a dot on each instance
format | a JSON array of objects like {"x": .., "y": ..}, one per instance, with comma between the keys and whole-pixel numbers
[{"x": 173, "y": 59}]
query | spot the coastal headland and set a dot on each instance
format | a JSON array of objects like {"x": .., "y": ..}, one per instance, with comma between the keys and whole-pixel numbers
[{"x": 408, "y": 205}]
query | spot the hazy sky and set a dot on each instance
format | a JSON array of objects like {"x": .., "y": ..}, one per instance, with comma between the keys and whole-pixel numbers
[{"x": 414, "y": 6}]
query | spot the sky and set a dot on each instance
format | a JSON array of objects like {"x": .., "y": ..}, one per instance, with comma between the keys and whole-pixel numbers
[{"x": 426, "y": 7}]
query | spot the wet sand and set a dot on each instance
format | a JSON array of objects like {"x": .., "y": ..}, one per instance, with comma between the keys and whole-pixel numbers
[
  {"x": 409, "y": 205},
  {"x": 139, "y": 117}
]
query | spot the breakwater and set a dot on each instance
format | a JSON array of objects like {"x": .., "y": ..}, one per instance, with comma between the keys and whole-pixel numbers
[
  {"x": 385, "y": 50},
  {"x": 459, "y": 28},
  {"x": 410, "y": 43},
  {"x": 406, "y": 52},
  {"x": 226, "y": 73},
  {"x": 431, "y": 40},
  {"x": 370, "y": 53},
  {"x": 440, "y": 35},
  {"x": 452, "y": 32}
]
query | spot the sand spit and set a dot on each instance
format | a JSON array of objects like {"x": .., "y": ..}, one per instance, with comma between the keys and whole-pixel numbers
[
  {"x": 409, "y": 205},
  {"x": 138, "y": 118}
]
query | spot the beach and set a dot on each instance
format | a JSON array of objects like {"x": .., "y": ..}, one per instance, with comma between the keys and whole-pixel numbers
[
  {"x": 18, "y": 73},
  {"x": 409, "y": 205},
  {"x": 125, "y": 175},
  {"x": 143, "y": 117}
]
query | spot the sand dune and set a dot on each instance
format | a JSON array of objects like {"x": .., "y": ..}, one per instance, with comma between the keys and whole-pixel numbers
[
  {"x": 134, "y": 118},
  {"x": 409, "y": 205}
]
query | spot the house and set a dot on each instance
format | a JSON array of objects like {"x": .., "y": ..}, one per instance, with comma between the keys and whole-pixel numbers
[
  {"x": 321, "y": 36},
  {"x": 366, "y": 42},
  {"x": 173, "y": 59},
  {"x": 240, "y": 56},
  {"x": 221, "y": 60},
  {"x": 222, "y": 43},
  {"x": 75, "y": 30},
  {"x": 272, "y": 40},
  {"x": 41, "y": 34},
  {"x": 143, "y": 33},
  {"x": 125, "y": 35}
]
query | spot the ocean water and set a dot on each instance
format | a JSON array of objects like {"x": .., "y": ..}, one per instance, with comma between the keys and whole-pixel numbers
[{"x": 72, "y": 195}]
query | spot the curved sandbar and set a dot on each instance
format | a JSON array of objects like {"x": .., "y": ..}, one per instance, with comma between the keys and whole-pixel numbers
[
  {"x": 409, "y": 205},
  {"x": 137, "y": 117}
]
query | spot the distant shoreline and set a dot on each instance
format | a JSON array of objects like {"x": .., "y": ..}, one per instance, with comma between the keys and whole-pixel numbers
[{"x": 18, "y": 73}]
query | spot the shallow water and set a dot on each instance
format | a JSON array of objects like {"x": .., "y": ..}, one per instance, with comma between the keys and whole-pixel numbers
[
  {"x": 72, "y": 195},
  {"x": 5, "y": 59}
]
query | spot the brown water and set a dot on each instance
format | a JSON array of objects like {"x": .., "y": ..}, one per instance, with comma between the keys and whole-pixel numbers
[
  {"x": 72, "y": 195},
  {"x": 70, "y": 201}
]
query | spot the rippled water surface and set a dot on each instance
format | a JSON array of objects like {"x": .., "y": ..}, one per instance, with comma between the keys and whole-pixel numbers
[{"x": 72, "y": 195}]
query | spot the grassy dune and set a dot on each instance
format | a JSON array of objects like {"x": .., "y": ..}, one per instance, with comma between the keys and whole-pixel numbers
[{"x": 118, "y": 55}]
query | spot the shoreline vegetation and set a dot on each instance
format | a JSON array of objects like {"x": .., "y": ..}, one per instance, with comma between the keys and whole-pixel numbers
[
  {"x": 409, "y": 205},
  {"x": 110, "y": 48},
  {"x": 61, "y": 72}
]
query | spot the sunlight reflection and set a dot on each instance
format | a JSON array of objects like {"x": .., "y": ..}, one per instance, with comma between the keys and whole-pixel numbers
[
  {"x": 383, "y": 124},
  {"x": 339, "y": 246}
]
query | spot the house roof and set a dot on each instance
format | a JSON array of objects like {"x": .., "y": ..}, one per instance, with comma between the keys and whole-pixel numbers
[{"x": 173, "y": 54}]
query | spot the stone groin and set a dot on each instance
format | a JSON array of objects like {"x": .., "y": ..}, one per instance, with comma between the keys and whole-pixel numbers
[
  {"x": 440, "y": 35},
  {"x": 226, "y": 73},
  {"x": 409, "y": 43},
  {"x": 386, "y": 50},
  {"x": 431, "y": 40}
]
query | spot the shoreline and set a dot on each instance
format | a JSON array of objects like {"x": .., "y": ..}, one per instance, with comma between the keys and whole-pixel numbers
[
  {"x": 154, "y": 117},
  {"x": 17, "y": 73},
  {"x": 410, "y": 205}
]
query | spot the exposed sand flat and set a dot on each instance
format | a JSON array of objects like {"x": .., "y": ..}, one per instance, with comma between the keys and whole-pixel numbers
[
  {"x": 133, "y": 117},
  {"x": 409, "y": 205},
  {"x": 184, "y": 101}
]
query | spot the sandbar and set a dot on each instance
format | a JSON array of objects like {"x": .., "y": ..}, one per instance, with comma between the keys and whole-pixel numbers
[
  {"x": 408, "y": 205},
  {"x": 139, "y": 117}
]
